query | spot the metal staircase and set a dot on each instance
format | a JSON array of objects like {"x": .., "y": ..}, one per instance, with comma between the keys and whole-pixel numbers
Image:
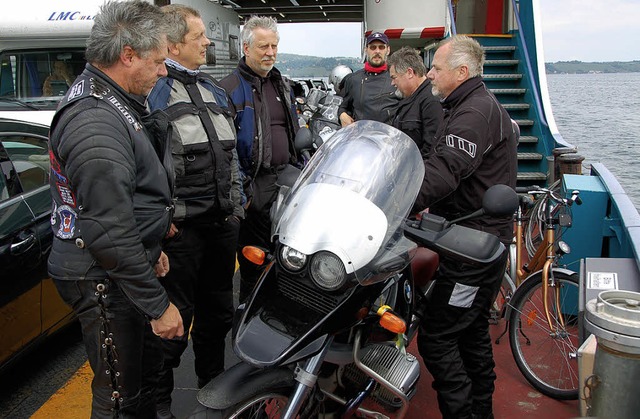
[{"x": 505, "y": 76}]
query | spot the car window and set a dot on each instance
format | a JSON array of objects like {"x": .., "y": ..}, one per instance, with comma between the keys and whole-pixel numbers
[{"x": 30, "y": 158}]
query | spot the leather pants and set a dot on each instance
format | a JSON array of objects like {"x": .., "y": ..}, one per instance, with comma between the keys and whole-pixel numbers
[{"x": 123, "y": 352}]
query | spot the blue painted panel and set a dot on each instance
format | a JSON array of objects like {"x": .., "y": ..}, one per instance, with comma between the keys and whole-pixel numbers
[{"x": 589, "y": 219}]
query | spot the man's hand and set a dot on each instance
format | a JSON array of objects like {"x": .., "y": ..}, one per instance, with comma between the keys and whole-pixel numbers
[
  {"x": 173, "y": 230},
  {"x": 161, "y": 268},
  {"x": 169, "y": 325},
  {"x": 345, "y": 119}
]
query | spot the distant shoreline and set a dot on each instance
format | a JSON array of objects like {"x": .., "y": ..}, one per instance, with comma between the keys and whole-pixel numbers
[
  {"x": 580, "y": 67},
  {"x": 295, "y": 65}
]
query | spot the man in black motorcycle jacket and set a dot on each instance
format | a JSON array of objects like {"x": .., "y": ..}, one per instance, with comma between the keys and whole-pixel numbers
[
  {"x": 112, "y": 207},
  {"x": 368, "y": 93},
  {"x": 475, "y": 148},
  {"x": 208, "y": 197}
]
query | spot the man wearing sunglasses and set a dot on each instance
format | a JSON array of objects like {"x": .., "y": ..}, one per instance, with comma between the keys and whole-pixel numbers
[{"x": 368, "y": 93}]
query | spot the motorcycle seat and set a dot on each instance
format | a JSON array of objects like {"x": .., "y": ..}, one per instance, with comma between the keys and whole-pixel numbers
[{"x": 424, "y": 264}]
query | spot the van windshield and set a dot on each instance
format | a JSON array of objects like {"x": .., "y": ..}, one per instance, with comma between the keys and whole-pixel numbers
[{"x": 37, "y": 79}]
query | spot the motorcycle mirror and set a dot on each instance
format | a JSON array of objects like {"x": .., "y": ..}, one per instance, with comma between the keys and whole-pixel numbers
[
  {"x": 500, "y": 201},
  {"x": 303, "y": 140}
]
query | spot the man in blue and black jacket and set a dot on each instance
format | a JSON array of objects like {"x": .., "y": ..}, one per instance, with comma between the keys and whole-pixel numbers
[{"x": 266, "y": 123}]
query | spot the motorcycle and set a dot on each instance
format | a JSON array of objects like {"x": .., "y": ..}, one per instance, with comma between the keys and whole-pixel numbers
[
  {"x": 327, "y": 327},
  {"x": 319, "y": 112}
]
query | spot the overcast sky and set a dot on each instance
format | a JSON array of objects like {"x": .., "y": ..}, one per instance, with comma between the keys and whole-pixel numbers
[{"x": 584, "y": 30}]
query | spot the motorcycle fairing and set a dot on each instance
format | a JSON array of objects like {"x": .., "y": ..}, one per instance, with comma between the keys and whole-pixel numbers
[
  {"x": 343, "y": 222},
  {"x": 374, "y": 161}
]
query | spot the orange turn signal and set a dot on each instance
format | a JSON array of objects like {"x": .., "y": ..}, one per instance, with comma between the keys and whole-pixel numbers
[
  {"x": 254, "y": 255},
  {"x": 392, "y": 323}
]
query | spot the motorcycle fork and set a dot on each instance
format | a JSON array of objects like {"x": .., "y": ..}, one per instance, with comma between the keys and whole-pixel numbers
[{"x": 306, "y": 376}]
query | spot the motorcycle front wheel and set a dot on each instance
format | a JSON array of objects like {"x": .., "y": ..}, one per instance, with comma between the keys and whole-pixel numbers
[{"x": 265, "y": 405}]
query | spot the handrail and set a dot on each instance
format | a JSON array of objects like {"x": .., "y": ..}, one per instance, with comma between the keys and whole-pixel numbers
[
  {"x": 536, "y": 96},
  {"x": 453, "y": 20}
]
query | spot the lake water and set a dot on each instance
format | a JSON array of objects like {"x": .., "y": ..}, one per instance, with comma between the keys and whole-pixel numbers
[{"x": 600, "y": 114}]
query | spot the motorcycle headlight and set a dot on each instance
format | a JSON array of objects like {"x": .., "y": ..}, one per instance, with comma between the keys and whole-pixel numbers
[
  {"x": 327, "y": 271},
  {"x": 292, "y": 259}
]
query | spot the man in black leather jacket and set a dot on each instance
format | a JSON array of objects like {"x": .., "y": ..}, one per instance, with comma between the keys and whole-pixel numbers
[
  {"x": 368, "y": 93},
  {"x": 112, "y": 207},
  {"x": 475, "y": 148},
  {"x": 419, "y": 112}
]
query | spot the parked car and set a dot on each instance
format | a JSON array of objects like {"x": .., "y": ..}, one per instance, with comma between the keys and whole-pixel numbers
[{"x": 30, "y": 307}]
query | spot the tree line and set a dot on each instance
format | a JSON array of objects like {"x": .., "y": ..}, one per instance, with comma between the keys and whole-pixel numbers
[{"x": 294, "y": 65}]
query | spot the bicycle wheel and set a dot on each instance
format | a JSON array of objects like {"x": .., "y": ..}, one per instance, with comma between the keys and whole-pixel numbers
[{"x": 547, "y": 359}]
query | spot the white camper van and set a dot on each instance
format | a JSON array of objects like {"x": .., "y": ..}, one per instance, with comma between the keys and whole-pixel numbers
[{"x": 42, "y": 50}]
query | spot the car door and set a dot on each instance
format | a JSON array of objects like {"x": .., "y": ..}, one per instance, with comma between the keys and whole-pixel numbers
[
  {"x": 29, "y": 303},
  {"x": 20, "y": 288}
]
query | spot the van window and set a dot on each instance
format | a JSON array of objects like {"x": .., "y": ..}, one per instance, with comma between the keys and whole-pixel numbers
[{"x": 37, "y": 79}]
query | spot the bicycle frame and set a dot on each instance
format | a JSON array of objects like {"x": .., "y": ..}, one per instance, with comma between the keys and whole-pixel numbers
[{"x": 544, "y": 259}]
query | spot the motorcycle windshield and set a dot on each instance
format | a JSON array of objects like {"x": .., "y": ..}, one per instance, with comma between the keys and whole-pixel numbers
[{"x": 352, "y": 200}]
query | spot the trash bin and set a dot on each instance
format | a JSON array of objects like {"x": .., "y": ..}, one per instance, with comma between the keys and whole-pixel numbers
[{"x": 614, "y": 318}]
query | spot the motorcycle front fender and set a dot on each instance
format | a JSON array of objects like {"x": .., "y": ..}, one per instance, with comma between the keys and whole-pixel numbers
[{"x": 241, "y": 382}]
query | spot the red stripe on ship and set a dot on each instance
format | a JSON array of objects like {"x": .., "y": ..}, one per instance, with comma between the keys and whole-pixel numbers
[{"x": 434, "y": 32}]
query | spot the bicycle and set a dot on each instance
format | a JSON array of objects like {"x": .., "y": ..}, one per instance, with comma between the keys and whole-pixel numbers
[{"x": 540, "y": 298}]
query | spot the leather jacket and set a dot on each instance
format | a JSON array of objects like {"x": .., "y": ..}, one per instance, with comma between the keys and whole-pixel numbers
[
  {"x": 475, "y": 148},
  {"x": 111, "y": 192},
  {"x": 369, "y": 96},
  {"x": 252, "y": 118},
  {"x": 418, "y": 116}
]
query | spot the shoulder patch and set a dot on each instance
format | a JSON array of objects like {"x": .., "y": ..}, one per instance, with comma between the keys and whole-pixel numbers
[
  {"x": 76, "y": 90},
  {"x": 462, "y": 144}
]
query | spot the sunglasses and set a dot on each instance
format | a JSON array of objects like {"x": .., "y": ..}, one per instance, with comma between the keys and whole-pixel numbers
[{"x": 373, "y": 47}]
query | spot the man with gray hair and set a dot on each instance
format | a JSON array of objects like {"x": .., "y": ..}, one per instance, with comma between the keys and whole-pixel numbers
[
  {"x": 266, "y": 123},
  {"x": 111, "y": 208},
  {"x": 204, "y": 233},
  {"x": 419, "y": 112},
  {"x": 475, "y": 148}
]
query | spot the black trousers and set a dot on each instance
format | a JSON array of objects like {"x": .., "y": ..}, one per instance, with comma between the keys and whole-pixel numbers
[
  {"x": 256, "y": 228},
  {"x": 123, "y": 352},
  {"x": 454, "y": 337},
  {"x": 202, "y": 262}
]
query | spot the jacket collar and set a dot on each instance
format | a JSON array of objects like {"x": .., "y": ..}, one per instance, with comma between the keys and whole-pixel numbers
[
  {"x": 461, "y": 92},
  {"x": 136, "y": 102},
  {"x": 247, "y": 73}
]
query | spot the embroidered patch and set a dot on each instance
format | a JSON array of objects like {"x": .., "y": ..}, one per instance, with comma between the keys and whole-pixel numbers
[
  {"x": 76, "y": 90},
  {"x": 463, "y": 295},
  {"x": 68, "y": 219},
  {"x": 123, "y": 110},
  {"x": 462, "y": 144},
  {"x": 53, "y": 214},
  {"x": 55, "y": 168},
  {"x": 66, "y": 195}
]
